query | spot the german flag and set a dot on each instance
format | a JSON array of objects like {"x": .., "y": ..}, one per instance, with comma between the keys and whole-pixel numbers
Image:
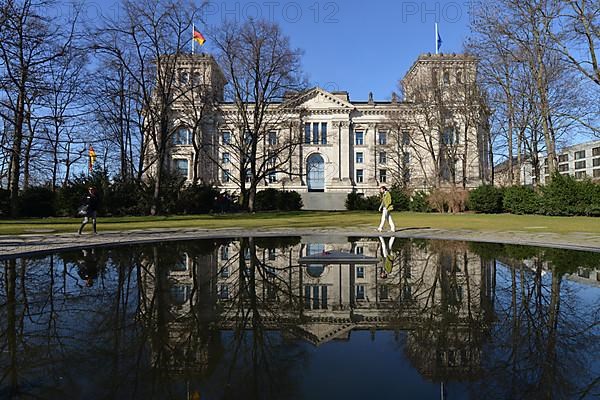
[
  {"x": 198, "y": 37},
  {"x": 92, "y": 157}
]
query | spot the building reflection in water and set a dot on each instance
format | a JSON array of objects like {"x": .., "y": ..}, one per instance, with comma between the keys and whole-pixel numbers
[{"x": 232, "y": 318}]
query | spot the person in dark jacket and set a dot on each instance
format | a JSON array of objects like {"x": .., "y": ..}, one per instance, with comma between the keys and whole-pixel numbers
[{"x": 90, "y": 202}]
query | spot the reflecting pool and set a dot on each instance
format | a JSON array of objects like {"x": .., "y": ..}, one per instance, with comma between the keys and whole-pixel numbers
[{"x": 301, "y": 318}]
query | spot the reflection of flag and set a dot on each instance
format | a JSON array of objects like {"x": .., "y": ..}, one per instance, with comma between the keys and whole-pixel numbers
[
  {"x": 92, "y": 155},
  {"x": 199, "y": 38}
]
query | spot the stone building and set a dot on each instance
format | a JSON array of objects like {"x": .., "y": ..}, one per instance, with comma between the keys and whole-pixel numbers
[{"x": 436, "y": 136}]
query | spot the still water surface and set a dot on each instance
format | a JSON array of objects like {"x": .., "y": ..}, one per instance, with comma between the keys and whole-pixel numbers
[{"x": 301, "y": 318}]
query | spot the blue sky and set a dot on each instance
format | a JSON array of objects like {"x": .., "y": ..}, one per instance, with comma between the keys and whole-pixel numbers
[{"x": 358, "y": 46}]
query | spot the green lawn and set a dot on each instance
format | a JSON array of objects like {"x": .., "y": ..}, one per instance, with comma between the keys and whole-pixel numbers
[{"x": 306, "y": 219}]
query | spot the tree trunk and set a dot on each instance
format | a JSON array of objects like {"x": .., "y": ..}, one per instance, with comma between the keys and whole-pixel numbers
[{"x": 15, "y": 160}]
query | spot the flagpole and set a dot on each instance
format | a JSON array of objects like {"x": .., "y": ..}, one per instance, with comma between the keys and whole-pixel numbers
[
  {"x": 436, "y": 39},
  {"x": 193, "y": 28}
]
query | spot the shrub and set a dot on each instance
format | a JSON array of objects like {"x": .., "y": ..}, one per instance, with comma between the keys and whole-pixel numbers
[
  {"x": 521, "y": 200},
  {"x": 36, "y": 202},
  {"x": 126, "y": 198},
  {"x": 400, "y": 199},
  {"x": 419, "y": 203},
  {"x": 289, "y": 200},
  {"x": 564, "y": 195},
  {"x": 357, "y": 201},
  {"x": 486, "y": 199},
  {"x": 4, "y": 202},
  {"x": 281, "y": 200},
  {"x": 437, "y": 200},
  {"x": 352, "y": 201},
  {"x": 197, "y": 199},
  {"x": 457, "y": 200},
  {"x": 267, "y": 200}
]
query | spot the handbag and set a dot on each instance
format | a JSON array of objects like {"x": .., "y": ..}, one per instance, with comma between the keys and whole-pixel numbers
[{"x": 82, "y": 211}]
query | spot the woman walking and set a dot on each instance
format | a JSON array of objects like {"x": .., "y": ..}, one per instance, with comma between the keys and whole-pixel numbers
[
  {"x": 385, "y": 207},
  {"x": 89, "y": 209}
]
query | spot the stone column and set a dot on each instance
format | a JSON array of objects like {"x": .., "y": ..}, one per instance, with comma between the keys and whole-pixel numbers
[
  {"x": 346, "y": 150},
  {"x": 371, "y": 179}
]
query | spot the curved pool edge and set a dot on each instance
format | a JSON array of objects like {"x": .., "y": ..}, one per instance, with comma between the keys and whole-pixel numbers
[{"x": 28, "y": 245}]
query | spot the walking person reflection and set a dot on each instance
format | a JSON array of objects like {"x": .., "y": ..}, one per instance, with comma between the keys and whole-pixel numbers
[
  {"x": 87, "y": 268},
  {"x": 386, "y": 207},
  {"x": 388, "y": 257}
]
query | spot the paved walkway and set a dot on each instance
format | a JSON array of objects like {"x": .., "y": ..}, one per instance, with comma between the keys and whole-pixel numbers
[{"x": 36, "y": 244}]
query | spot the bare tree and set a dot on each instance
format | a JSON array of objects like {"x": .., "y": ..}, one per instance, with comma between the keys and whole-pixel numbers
[
  {"x": 29, "y": 40},
  {"x": 261, "y": 68},
  {"x": 148, "y": 42}
]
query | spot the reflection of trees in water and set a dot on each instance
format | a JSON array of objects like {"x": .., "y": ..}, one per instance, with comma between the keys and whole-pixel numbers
[
  {"x": 157, "y": 324},
  {"x": 52, "y": 322},
  {"x": 545, "y": 341},
  {"x": 251, "y": 357}
]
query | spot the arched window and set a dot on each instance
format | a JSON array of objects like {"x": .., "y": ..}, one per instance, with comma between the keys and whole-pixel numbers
[
  {"x": 459, "y": 77},
  {"x": 184, "y": 77},
  {"x": 446, "y": 77},
  {"x": 182, "y": 136}
]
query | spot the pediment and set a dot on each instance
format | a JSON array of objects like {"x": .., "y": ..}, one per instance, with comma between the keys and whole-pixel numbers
[{"x": 318, "y": 99}]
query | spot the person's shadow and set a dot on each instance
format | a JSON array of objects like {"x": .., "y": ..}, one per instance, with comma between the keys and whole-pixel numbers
[{"x": 87, "y": 268}]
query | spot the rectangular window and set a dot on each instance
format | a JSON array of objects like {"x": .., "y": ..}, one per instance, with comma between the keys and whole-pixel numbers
[
  {"x": 323, "y": 132},
  {"x": 225, "y": 271},
  {"x": 383, "y": 292},
  {"x": 382, "y": 137},
  {"x": 324, "y": 297},
  {"x": 226, "y": 177},
  {"x": 315, "y": 133},
  {"x": 563, "y": 158},
  {"x": 405, "y": 138},
  {"x": 359, "y": 138},
  {"x": 563, "y": 167},
  {"x": 382, "y": 157},
  {"x": 580, "y": 164},
  {"x": 307, "y": 133},
  {"x": 272, "y": 138},
  {"x": 271, "y": 158},
  {"x": 579, "y": 154},
  {"x": 580, "y": 174},
  {"x": 182, "y": 136},
  {"x": 248, "y": 137},
  {"x": 448, "y": 136},
  {"x": 406, "y": 158},
  {"x": 223, "y": 292},
  {"x": 360, "y": 272},
  {"x": 596, "y": 151},
  {"x": 181, "y": 166},
  {"x": 597, "y": 175},
  {"x": 225, "y": 253},
  {"x": 226, "y": 158},
  {"x": 360, "y": 292},
  {"x": 248, "y": 176},
  {"x": 359, "y": 176},
  {"x": 596, "y": 162},
  {"x": 272, "y": 177},
  {"x": 359, "y": 157},
  {"x": 382, "y": 175},
  {"x": 272, "y": 254},
  {"x": 226, "y": 137},
  {"x": 360, "y": 250}
]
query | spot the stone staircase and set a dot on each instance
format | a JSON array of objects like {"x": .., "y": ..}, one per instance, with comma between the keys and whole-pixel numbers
[{"x": 323, "y": 201}]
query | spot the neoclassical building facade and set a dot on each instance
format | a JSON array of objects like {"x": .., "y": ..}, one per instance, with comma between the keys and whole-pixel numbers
[{"x": 322, "y": 141}]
